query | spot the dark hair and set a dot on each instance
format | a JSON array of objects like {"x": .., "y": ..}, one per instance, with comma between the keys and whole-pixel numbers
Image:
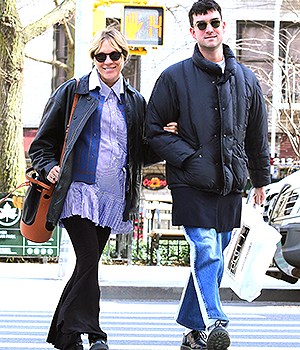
[{"x": 201, "y": 7}]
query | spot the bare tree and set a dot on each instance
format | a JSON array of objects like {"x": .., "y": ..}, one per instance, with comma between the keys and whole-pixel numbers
[
  {"x": 255, "y": 49},
  {"x": 289, "y": 119},
  {"x": 13, "y": 39}
]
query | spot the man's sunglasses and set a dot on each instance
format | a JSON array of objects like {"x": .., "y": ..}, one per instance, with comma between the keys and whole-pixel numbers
[
  {"x": 215, "y": 23},
  {"x": 114, "y": 56}
]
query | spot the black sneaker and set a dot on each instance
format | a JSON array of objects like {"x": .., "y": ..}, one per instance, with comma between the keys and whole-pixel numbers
[
  {"x": 218, "y": 338},
  {"x": 194, "y": 340},
  {"x": 100, "y": 344}
]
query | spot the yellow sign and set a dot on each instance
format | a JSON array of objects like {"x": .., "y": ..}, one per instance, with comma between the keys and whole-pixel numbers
[
  {"x": 143, "y": 25},
  {"x": 99, "y": 20},
  {"x": 98, "y": 3}
]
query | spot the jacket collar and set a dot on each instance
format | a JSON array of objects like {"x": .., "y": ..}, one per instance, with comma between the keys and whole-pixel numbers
[
  {"x": 83, "y": 86},
  {"x": 214, "y": 68}
]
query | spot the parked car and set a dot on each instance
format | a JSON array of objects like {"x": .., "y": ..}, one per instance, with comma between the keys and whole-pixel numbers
[
  {"x": 273, "y": 190},
  {"x": 282, "y": 211}
]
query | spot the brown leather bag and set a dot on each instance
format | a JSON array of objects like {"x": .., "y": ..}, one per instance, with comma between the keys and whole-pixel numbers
[{"x": 35, "y": 209}]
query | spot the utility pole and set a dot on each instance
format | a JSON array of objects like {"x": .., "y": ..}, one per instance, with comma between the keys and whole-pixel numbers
[
  {"x": 83, "y": 36},
  {"x": 82, "y": 65},
  {"x": 276, "y": 98}
]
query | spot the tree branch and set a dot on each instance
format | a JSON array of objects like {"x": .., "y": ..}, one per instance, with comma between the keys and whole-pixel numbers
[
  {"x": 55, "y": 63},
  {"x": 65, "y": 10},
  {"x": 68, "y": 33}
]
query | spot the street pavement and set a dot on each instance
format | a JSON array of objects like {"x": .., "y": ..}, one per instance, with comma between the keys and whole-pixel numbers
[
  {"x": 138, "y": 307},
  {"x": 40, "y": 285}
]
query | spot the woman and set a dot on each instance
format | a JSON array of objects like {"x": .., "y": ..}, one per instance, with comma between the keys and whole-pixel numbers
[{"x": 98, "y": 181}]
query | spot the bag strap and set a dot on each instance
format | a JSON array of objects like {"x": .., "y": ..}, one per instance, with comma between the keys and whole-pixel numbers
[
  {"x": 26, "y": 183},
  {"x": 30, "y": 179},
  {"x": 33, "y": 180},
  {"x": 69, "y": 122}
]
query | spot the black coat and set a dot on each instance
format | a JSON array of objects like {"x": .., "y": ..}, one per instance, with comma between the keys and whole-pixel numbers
[
  {"x": 46, "y": 148},
  {"x": 222, "y": 124}
]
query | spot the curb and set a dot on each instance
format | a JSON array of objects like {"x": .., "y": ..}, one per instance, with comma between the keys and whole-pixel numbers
[{"x": 174, "y": 294}]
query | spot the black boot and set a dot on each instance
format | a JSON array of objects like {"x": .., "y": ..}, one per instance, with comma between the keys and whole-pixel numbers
[{"x": 100, "y": 344}]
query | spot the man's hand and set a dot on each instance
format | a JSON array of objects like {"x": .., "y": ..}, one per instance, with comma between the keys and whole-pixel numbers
[{"x": 259, "y": 195}]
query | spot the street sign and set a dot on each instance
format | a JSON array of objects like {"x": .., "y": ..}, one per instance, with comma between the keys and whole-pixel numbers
[
  {"x": 143, "y": 25},
  {"x": 13, "y": 244}
]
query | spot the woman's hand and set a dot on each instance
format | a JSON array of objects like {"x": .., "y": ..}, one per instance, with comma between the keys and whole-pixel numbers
[
  {"x": 53, "y": 174},
  {"x": 171, "y": 127}
]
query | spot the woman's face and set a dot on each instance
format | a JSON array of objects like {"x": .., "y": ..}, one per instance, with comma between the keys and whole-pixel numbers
[{"x": 110, "y": 69}]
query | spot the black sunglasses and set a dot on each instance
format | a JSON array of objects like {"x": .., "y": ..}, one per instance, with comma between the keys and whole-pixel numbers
[
  {"x": 215, "y": 23},
  {"x": 114, "y": 56}
]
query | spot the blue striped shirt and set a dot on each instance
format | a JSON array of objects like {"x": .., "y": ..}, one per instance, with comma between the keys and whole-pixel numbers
[{"x": 103, "y": 202}]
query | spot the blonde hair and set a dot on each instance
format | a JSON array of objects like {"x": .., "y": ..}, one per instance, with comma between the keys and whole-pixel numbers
[{"x": 116, "y": 39}]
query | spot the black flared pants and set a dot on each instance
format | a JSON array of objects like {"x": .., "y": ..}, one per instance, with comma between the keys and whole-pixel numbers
[{"x": 78, "y": 309}]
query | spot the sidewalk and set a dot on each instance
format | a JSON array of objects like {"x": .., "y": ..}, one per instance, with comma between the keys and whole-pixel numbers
[{"x": 38, "y": 286}]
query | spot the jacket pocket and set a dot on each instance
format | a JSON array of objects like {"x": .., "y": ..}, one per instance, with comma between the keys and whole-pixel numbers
[
  {"x": 201, "y": 172},
  {"x": 239, "y": 172}
]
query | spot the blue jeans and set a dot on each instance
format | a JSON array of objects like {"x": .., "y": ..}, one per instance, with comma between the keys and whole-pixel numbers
[{"x": 200, "y": 303}]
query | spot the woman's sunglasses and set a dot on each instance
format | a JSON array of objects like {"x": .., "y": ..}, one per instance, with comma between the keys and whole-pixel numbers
[
  {"x": 114, "y": 56},
  {"x": 215, "y": 23}
]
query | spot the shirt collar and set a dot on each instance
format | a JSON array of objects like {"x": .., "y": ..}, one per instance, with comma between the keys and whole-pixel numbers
[{"x": 96, "y": 82}]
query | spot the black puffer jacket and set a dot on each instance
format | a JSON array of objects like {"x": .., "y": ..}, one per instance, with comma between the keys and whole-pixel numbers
[
  {"x": 222, "y": 125},
  {"x": 46, "y": 148}
]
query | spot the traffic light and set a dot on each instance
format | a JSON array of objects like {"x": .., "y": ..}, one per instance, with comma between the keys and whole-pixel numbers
[{"x": 143, "y": 25}]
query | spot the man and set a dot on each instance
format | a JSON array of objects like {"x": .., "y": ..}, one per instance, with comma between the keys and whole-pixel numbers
[{"x": 222, "y": 135}]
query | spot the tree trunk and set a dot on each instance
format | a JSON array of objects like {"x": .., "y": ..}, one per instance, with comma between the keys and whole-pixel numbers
[
  {"x": 13, "y": 38},
  {"x": 12, "y": 158}
]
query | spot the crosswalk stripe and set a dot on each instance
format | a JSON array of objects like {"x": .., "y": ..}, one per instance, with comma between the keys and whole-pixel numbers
[
  {"x": 8, "y": 346},
  {"x": 152, "y": 330}
]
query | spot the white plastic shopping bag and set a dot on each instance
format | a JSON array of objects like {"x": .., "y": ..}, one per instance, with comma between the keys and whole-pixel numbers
[{"x": 249, "y": 254}]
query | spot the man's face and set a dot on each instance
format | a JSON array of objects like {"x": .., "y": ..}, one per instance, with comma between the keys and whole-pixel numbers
[{"x": 208, "y": 30}]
